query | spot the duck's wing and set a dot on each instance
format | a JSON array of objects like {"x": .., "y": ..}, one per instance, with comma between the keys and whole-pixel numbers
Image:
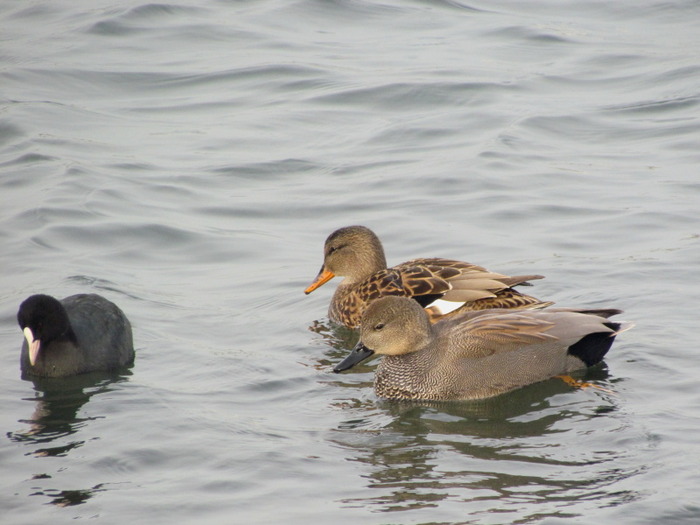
[
  {"x": 476, "y": 287},
  {"x": 459, "y": 281},
  {"x": 407, "y": 281},
  {"x": 465, "y": 286},
  {"x": 449, "y": 267},
  {"x": 479, "y": 335},
  {"x": 469, "y": 271}
]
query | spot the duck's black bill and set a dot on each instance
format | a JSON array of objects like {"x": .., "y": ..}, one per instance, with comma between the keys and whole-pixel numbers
[{"x": 358, "y": 354}]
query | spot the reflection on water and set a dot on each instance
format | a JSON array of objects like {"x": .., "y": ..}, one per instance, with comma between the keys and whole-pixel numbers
[
  {"x": 337, "y": 341},
  {"x": 508, "y": 452},
  {"x": 68, "y": 498},
  {"x": 54, "y": 427},
  {"x": 335, "y": 335}
]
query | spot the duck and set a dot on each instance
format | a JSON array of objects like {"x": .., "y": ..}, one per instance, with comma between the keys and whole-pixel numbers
[
  {"x": 78, "y": 334},
  {"x": 476, "y": 355},
  {"x": 443, "y": 286}
]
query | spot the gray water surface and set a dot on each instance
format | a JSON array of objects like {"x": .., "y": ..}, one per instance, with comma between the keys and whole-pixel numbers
[{"x": 187, "y": 160}]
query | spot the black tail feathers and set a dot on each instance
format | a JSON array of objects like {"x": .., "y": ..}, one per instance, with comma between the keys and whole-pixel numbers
[{"x": 593, "y": 347}]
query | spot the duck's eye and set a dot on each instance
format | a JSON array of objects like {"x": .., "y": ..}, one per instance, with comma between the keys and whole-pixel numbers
[
  {"x": 332, "y": 249},
  {"x": 378, "y": 326}
]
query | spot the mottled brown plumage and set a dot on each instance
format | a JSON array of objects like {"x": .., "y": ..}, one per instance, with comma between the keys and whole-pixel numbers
[
  {"x": 355, "y": 252},
  {"x": 476, "y": 355}
]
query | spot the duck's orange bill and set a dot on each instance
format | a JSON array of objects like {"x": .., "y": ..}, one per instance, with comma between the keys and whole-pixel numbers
[{"x": 323, "y": 277}]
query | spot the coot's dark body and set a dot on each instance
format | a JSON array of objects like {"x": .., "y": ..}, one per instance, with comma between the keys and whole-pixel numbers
[{"x": 81, "y": 333}]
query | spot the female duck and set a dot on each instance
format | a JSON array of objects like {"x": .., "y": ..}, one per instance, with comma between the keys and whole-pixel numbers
[{"x": 355, "y": 252}]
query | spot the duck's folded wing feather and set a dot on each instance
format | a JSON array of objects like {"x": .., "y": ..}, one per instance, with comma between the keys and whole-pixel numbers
[
  {"x": 442, "y": 263},
  {"x": 420, "y": 280},
  {"x": 453, "y": 270},
  {"x": 489, "y": 333},
  {"x": 407, "y": 282}
]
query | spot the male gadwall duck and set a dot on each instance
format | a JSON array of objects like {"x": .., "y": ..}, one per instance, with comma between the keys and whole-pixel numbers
[
  {"x": 355, "y": 252},
  {"x": 476, "y": 355},
  {"x": 81, "y": 333}
]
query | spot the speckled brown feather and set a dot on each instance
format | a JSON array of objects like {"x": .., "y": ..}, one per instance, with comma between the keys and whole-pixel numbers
[
  {"x": 348, "y": 304},
  {"x": 505, "y": 299}
]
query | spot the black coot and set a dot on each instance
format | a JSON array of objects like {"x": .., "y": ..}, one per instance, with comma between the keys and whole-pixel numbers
[{"x": 82, "y": 333}]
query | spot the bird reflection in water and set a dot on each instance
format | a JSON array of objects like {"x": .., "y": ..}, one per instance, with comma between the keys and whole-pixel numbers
[
  {"x": 54, "y": 426},
  {"x": 525, "y": 445},
  {"x": 337, "y": 341},
  {"x": 68, "y": 498}
]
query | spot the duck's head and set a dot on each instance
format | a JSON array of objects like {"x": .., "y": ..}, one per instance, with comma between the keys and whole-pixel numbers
[
  {"x": 390, "y": 326},
  {"x": 354, "y": 252}
]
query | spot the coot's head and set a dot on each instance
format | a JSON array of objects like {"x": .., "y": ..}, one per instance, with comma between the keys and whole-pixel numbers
[{"x": 42, "y": 319}]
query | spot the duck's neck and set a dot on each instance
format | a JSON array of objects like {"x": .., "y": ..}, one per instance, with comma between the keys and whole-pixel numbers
[{"x": 366, "y": 265}]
